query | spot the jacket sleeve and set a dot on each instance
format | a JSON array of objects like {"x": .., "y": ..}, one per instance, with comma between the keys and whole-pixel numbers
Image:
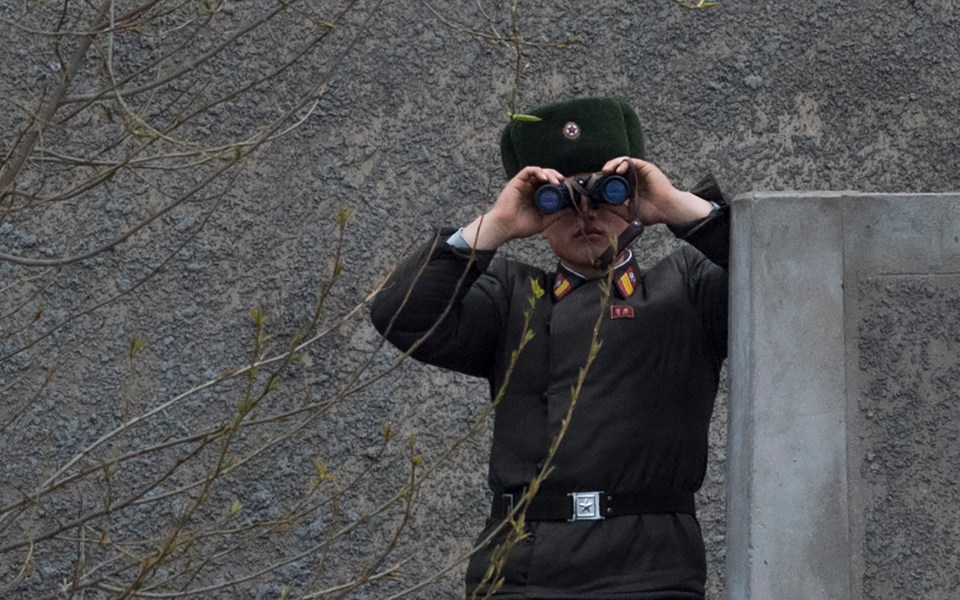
[
  {"x": 707, "y": 268},
  {"x": 710, "y": 235},
  {"x": 442, "y": 308}
]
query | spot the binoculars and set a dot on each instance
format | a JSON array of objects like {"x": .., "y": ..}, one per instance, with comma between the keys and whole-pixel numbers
[{"x": 611, "y": 189}]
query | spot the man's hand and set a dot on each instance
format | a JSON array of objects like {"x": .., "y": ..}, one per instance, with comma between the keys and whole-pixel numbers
[
  {"x": 514, "y": 214},
  {"x": 657, "y": 200}
]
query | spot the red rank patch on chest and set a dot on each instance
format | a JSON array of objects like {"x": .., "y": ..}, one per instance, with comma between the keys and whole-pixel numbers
[{"x": 621, "y": 311}]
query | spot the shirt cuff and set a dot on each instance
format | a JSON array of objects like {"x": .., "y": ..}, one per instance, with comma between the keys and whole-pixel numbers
[{"x": 456, "y": 240}]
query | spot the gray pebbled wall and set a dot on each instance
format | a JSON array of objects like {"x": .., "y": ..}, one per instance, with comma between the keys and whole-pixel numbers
[
  {"x": 909, "y": 445},
  {"x": 904, "y": 377},
  {"x": 765, "y": 95}
]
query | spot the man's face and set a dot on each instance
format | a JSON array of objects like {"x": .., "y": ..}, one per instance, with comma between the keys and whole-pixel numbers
[{"x": 579, "y": 237}]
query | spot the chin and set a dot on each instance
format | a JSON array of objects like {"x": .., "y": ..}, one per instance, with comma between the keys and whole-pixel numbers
[
  {"x": 585, "y": 256},
  {"x": 579, "y": 250}
]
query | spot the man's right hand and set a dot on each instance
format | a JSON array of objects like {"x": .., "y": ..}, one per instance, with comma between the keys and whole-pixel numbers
[{"x": 514, "y": 214}]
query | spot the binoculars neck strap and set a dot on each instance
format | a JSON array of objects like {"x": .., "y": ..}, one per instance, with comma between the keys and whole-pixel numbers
[{"x": 633, "y": 231}]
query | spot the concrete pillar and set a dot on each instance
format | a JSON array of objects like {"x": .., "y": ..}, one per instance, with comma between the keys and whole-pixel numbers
[{"x": 844, "y": 414}]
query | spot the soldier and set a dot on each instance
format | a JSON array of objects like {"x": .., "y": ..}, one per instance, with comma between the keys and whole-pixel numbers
[{"x": 615, "y": 518}]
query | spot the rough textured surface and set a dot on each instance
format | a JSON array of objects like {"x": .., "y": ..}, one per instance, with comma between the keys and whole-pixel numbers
[
  {"x": 843, "y": 413},
  {"x": 908, "y": 349},
  {"x": 902, "y": 357},
  {"x": 767, "y": 96}
]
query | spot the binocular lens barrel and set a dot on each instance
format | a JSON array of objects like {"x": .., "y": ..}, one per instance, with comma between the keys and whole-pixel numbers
[
  {"x": 612, "y": 189},
  {"x": 550, "y": 198}
]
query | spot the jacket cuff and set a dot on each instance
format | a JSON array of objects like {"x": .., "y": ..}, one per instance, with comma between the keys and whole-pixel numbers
[
  {"x": 447, "y": 242},
  {"x": 711, "y": 234}
]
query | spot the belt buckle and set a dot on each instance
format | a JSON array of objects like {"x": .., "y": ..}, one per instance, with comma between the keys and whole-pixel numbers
[{"x": 586, "y": 506}]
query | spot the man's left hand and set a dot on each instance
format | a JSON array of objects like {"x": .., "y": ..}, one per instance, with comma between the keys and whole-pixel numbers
[{"x": 658, "y": 201}]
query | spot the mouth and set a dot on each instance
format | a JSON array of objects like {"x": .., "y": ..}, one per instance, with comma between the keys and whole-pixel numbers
[{"x": 589, "y": 232}]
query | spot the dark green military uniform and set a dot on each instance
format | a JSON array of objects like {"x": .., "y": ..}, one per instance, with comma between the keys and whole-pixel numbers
[{"x": 636, "y": 447}]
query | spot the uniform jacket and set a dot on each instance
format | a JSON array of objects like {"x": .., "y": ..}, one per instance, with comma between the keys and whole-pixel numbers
[{"x": 639, "y": 426}]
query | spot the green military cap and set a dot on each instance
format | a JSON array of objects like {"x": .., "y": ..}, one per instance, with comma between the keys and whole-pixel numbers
[{"x": 577, "y": 136}]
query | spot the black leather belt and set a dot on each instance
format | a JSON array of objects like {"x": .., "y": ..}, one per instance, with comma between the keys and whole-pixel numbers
[{"x": 592, "y": 506}]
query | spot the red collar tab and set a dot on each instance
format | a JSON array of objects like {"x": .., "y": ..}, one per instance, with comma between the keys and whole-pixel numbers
[
  {"x": 626, "y": 282},
  {"x": 565, "y": 282}
]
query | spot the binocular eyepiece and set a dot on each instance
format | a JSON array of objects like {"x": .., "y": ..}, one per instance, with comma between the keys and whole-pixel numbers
[{"x": 611, "y": 189}]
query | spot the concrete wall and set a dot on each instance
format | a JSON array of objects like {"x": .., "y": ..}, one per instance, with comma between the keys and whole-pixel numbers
[
  {"x": 411, "y": 97},
  {"x": 844, "y": 413}
]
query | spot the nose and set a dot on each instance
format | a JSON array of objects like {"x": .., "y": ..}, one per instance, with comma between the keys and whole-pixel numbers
[{"x": 586, "y": 205}]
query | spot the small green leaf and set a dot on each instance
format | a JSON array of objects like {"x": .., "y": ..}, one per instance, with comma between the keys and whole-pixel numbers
[
  {"x": 595, "y": 349},
  {"x": 136, "y": 344},
  {"x": 536, "y": 287},
  {"x": 236, "y": 507},
  {"x": 108, "y": 471},
  {"x": 245, "y": 406},
  {"x": 343, "y": 215},
  {"x": 321, "y": 468},
  {"x": 525, "y": 118},
  {"x": 208, "y": 7}
]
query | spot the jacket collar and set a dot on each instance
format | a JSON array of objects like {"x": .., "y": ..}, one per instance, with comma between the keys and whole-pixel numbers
[{"x": 626, "y": 279}]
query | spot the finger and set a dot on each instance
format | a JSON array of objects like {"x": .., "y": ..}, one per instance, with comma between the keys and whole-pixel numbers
[
  {"x": 619, "y": 165},
  {"x": 537, "y": 176},
  {"x": 611, "y": 165},
  {"x": 645, "y": 169},
  {"x": 528, "y": 179},
  {"x": 553, "y": 176}
]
